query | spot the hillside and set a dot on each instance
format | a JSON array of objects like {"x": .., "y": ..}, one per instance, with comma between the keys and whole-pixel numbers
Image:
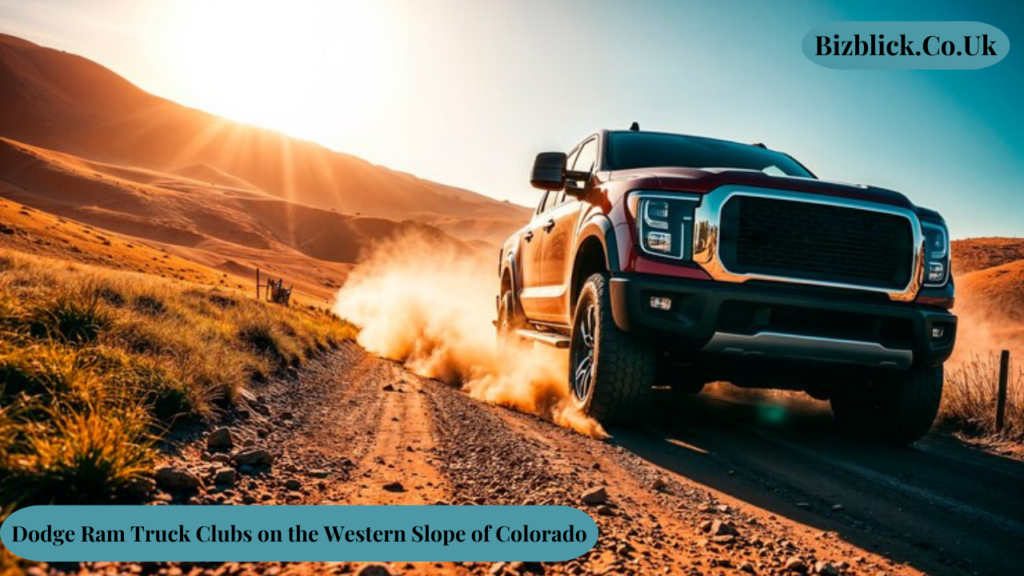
[
  {"x": 990, "y": 296},
  {"x": 1000, "y": 288},
  {"x": 990, "y": 278},
  {"x": 69, "y": 104},
  {"x": 80, "y": 143},
  {"x": 980, "y": 253},
  {"x": 229, "y": 229},
  {"x": 25, "y": 229}
]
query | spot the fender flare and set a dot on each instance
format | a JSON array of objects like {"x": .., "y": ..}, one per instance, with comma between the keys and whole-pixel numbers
[
  {"x": 600, "y": 227},
  {"x": 508, "y": 266}
]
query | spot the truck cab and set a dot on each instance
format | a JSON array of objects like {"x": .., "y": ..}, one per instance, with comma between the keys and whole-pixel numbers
[{"x": 668, "y": 259}]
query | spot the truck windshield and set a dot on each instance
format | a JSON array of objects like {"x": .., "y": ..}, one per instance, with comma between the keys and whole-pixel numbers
[{"x": 646, "y": 149}]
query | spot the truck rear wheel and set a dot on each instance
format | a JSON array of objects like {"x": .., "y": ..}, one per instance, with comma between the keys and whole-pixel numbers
[
  {"x": 898, "y": 410},
  {"x": 610, "y": 373},
  {"x": 509, "y": 319}
]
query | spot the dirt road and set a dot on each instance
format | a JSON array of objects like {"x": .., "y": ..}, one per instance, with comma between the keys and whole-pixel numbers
[
  {"x": 708, "y": 487},
  {"x": 942, "y": 507}
]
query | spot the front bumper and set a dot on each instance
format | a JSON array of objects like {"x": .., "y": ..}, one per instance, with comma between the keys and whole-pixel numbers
[{"x": 776, "y": 321}]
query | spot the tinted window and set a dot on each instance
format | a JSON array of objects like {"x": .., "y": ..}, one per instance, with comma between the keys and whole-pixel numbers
[
  {"x": 571, "y": 159},
  {"x": 587, "y": 157},
  {"x": 643, "y": 149}
]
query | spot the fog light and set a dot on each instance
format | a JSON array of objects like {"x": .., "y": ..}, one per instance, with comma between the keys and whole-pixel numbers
[
  {"x": 661, "y": 303},
  {"x": 936, "y": 272},
  {"x": 938, "y": 332},
  {"x": 659, "y": 241}
]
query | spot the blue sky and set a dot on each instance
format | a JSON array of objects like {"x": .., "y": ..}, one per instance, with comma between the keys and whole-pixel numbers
[{"x": 466, "y": 92}]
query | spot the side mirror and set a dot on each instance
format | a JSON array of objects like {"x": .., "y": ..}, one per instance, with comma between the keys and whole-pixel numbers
[
  {"x": 548, "y": 171},
  {"x": 572, "y": 183}
]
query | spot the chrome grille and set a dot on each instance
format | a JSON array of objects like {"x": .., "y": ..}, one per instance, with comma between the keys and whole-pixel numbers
[{"x": 816, "y": 242}]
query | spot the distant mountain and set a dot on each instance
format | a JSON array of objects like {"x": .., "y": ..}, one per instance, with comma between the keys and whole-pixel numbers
[
  {"x": 69, "y": 104},
  {"x": 231, "y": 229}
]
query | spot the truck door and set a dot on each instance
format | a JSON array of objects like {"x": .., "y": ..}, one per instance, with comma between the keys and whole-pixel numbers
[
  {"x": 530, "y": 256},
  {"x": 556, "y": 256}
]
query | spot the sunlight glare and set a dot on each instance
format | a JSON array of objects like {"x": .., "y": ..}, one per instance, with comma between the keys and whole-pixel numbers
[{"x": 281, "y": 65}]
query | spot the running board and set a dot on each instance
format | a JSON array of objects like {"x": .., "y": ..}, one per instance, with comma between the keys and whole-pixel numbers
[{"x": 549, "y": 338}]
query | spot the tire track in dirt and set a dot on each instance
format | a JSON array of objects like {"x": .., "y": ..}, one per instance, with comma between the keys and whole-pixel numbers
[
  {"x": 332, "y": 413},
  {"x": 363, "y": 422},
  {"x": 399, "y": 468}
]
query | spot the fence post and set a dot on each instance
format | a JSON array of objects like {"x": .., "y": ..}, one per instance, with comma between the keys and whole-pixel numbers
[
  {"x": 1004, "y": 375},
  {"x": 257, "y": 282}
]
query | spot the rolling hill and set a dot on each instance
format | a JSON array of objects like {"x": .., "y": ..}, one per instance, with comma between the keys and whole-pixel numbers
[
  {"x": 82, "y": 143},
  {"x": 70, "y": 104},
  {"x": 989, "y": 275}
]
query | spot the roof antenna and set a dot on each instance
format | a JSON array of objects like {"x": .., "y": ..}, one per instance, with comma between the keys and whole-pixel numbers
[{"x": 635, "y": 127}]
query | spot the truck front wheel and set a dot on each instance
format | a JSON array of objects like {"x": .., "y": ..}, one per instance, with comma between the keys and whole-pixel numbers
[
  {"x": 610, "y": 373},
  {"x": 898, "y": 409}
]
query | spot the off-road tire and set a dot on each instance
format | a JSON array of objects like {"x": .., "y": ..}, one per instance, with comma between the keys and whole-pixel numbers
[
  {"x": 897, "y": 410},
  {"x": 622, "y": 367}
]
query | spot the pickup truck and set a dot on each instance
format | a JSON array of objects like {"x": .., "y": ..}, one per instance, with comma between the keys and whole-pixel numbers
[{"x": 670, "y": 260}]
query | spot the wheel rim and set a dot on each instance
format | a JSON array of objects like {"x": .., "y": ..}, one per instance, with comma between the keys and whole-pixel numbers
[{"x": 583, "y": 352}]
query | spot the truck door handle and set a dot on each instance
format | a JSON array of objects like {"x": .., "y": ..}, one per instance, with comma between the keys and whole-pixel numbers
[
  {"x": 528, "y": 236},
  {"x": 549, "y": 225}
]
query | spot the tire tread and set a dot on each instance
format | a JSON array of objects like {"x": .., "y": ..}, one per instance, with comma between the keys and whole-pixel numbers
[
  {"x": 625, "y": 367},
  {"x": 898, "y": 410}
]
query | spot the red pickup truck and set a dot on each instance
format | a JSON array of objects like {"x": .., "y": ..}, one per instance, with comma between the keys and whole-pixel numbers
[{"x": 670, "y": 260}]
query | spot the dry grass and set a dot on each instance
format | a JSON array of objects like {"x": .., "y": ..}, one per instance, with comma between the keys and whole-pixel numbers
[
  {"x": 979, "y": 253},
  {"x": 969, "y": 399},
  {"x": 95, "y": 363}
]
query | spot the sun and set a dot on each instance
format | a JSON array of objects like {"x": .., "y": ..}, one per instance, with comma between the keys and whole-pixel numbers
[{"x": 282, "y": 65}]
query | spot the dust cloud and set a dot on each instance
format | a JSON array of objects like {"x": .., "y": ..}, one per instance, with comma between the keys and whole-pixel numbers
[
  {"x": 984, "y": 329},
  {"x": 429, "y": 304}
]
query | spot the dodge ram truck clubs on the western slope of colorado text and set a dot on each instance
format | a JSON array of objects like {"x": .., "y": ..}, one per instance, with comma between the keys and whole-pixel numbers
[{"x": 669, "y": 260}]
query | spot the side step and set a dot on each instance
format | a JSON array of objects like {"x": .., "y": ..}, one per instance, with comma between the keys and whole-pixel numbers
[{"x": 549, "y": 338}]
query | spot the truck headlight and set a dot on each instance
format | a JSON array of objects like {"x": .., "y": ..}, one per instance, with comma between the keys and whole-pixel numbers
[
  {"x": 655, "y": 213},
  {"x": 936, "y": 254},
  {"x": 665, "y": 223}
]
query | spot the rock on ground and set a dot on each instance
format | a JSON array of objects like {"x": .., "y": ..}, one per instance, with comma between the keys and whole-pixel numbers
[
  {"x": 595, "y": 496},
  {"x": 253, "y": 457},
  {"x": 225, "y": 476},
  {"x": 220, "y": 439},
  {"x": 175, "y": 478}
]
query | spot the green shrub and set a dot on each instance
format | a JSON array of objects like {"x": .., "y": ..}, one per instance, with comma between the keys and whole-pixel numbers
[
  {"x": 46, "y": 369},
  {"x": 94, "y": 361},
  {"x": 261, "y": 337},
  {"x": 80, "y": 457},
  {"x": 148, "y": 305},
  {"x": 73, "y": 319}
]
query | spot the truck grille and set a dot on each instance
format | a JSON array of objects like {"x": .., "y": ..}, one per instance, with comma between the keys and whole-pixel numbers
[{"x": 816, "y": 242}]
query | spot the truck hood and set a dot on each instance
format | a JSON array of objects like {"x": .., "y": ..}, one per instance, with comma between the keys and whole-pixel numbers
[{"x": 703, "y": 180}]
